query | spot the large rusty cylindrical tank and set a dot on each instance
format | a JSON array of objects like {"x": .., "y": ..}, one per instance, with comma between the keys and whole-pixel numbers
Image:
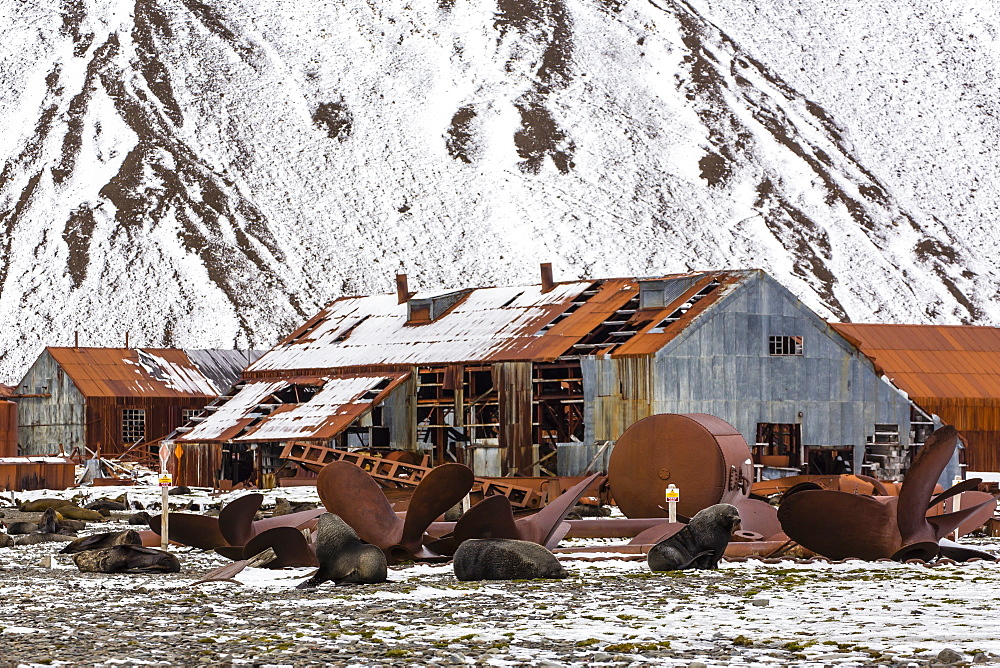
[
  {"x": 703, "y": 456},
  {"x": 8, "y": 429}
]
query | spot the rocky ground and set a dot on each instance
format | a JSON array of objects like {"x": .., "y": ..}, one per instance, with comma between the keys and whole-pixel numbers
[{"x": 608, "y": 612}]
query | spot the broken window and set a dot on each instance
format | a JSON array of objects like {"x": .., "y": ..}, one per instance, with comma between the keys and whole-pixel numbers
[
  {"x": 784, "y": 345},
  {"x": 133, "y": 425},
  {"x": 188, "y": 413},
  {"x": 778, "y": 445}
]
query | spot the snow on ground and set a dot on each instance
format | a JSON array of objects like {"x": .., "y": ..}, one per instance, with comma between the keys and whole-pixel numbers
[{"x": 612, "y": 612}]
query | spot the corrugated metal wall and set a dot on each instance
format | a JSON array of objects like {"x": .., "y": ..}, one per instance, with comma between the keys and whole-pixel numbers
[
  {"x": 982, "y": 450},
  {"x": 979, "y": 422},
  {"x": 8, "y": 429},
  {"x": 20, "y": 477},
  {"x": 399, "y": 414},
  {"x": 198, "y": 466},
  {"x": 617, "y": 393},
  {"x": 45, "y": 422},
  {"x": 721, "y": 366},
  {"x": 104, "y": 415},
  {"x": 513, "y": 379}
]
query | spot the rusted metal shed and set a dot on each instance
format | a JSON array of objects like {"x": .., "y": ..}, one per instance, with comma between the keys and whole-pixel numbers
[
  {"x": 110, "y": 400},
  {"x": 25, "y": 473},
  {"x": 952, "y": 371},
  {"x": 517, "y": 371}
]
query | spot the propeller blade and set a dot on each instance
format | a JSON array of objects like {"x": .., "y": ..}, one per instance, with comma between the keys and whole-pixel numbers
[
  {"x": 348, "y": 491},
  {"x": 236, "y": 519}
]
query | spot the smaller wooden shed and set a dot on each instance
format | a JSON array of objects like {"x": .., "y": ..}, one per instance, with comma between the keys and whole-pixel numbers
[{"x": 112, "y": 399}]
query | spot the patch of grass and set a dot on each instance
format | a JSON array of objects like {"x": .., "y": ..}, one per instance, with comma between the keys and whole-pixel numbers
[
  {"x": 397, "y": 652},
  {"x": 742, "y": 641},
  {"x": 587, "y": 643},
  {"x": 637, "y": 647}
]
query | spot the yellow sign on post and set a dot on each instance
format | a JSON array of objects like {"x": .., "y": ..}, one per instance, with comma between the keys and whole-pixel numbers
[
  {"x": 166, "y": 479},
  {"x": 673, "y": 495},
  {"x": 178, "y": 451}
]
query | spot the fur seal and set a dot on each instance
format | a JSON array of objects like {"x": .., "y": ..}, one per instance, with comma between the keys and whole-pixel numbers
[
  {"x": 39, "y": 505},
  {"x": 48, "y": 523},
  {"x": 72, "y": 512},
  {"x": 6, "y": 540},
  {"x": 101, "y": 540},
  {"x": 140, "y": 518},
  {"x": 343, "y": 557},
  {"x": 38, "y": 537},
  {"x": 20, "y": 528},
  {"x": 126, "y": 559},
  {"x": 700, "y": 544},
  {"x": 505, "y": 559},
  {"x": 106, "y": 504}
]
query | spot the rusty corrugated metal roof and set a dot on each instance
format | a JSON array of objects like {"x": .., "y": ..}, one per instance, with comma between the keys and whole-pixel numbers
[
  {"x": 487, "y": 325},
  {"x": 128, "y": 372},
  {"x": 933, "y": 362}
]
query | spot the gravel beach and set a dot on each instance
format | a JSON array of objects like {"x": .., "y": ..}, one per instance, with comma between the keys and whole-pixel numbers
[{"x": 610, "y": 612}]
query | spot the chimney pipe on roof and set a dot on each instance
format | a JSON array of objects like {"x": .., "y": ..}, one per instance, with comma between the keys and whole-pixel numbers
[
  {"x": 76, "y": 339},
  {"x": 547, "y": 282},
  {"x": 126, "y": 339},
  {"x": 402, "y": 289}
]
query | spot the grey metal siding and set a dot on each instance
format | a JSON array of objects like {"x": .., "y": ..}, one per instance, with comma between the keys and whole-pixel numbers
[
  {"x": 720, "y": 365},
  {"x": 46, "y": 422}
]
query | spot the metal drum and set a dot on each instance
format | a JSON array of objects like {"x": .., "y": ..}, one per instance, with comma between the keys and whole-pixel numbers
[{"x": 705, "y": 457}]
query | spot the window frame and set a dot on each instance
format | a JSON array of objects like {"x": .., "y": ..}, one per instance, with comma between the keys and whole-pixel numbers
[{"x": 784, "y": 345}]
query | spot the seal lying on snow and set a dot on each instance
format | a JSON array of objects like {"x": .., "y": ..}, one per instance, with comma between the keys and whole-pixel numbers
[
  {"x": 343, "y": 557},
  {"x": 48, "y": 529},
  {"x": 700, "y": 544},
  {"x": 126, "y": 559},
  {"x": 102, "y": 540},
  {"x": 505, "y": 559}
]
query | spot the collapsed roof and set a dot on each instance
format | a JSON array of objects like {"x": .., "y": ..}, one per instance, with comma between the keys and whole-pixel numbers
[{"x": 349, "y": 356}]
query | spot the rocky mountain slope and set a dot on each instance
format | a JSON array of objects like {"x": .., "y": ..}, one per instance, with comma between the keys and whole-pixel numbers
[{"x": 206, "y": 173}]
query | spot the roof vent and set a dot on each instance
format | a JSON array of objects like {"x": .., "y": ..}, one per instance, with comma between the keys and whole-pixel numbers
[
  {"x": 429, "y": 309},
  {"x": 661, "y": 292}
]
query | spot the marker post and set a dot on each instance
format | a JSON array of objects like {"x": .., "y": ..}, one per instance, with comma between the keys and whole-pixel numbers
[
  {"x": 957, "y": 503},
  {"x": 673, "y": 495},
  {"x": 165, "y": 480}
]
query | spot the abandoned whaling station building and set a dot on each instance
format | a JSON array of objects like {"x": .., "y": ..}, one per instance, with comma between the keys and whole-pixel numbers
[
  {"x": 952, "y": 371},
  {"x": 505, "y": 378},
  {"x": 111, "y": 400}
]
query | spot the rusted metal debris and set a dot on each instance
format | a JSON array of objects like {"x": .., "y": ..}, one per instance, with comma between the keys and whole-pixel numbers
[
  {"x": 394, "y": 473},
  {"x": 351, "y": 493},
  {"x": 493, "y": 517},
  {"x": 234, "y": 533},
  {"x": 839, "y": 524}
]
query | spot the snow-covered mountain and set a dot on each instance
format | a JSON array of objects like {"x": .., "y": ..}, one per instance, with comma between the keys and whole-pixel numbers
[{"x": 206, "y": 173}]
